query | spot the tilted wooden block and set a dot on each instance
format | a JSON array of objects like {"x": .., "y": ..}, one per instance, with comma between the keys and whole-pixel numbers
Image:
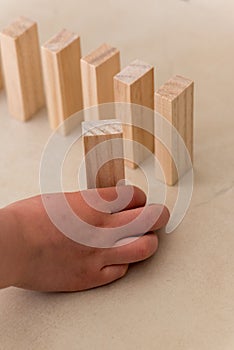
[
  {"x": 103, "y": 160},
  {"x": 175, "y": 102},
  {"x": 135, "y": 85},
  {"x": 61, "y": 66},
  {"x": 21, "y": 62},
  {"x": 98, "y": 69}
]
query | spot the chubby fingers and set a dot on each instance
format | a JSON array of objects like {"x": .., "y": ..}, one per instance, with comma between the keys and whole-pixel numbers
[
  {"x": 136, "y": 196},
  {"x": 137, "y": 221},
  {"x": 139, "y": 248},
  {"x": 114, "y": 199},
  {"x": 117, "y": 259}
]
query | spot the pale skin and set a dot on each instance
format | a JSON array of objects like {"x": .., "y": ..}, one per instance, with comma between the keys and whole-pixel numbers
[{"x": 35, "y": 255}]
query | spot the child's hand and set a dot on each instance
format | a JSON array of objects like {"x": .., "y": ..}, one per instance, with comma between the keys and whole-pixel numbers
[{"x": 44, "y": 259}]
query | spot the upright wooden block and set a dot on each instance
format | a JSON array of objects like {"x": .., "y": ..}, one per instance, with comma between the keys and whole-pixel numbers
[
  {"x": 22, "y": 68},
  {"x": 135, "y": 85},
  {"x": 175, "y": 102},
  {"x": 1, "y": 77},
  {"x": 98, "y": 69},
  {"x": 61, "y": 65},
  {"x": 105, "y": 162}
]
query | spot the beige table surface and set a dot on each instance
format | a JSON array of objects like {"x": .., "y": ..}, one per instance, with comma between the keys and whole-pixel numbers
[{"x": 182, "y": 298}]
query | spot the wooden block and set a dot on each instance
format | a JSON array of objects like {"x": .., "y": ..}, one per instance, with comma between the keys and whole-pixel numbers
[
  {"x": 105, "y": 164},
  {"x": 98, "y": 69},
  {"x": 175, "y": 102},
  {"x": 1, "y": 77},
  {"x": 21, "y": 62},
  {"x": 135, "y": 85},
  {"x": 61, "y": 66}
]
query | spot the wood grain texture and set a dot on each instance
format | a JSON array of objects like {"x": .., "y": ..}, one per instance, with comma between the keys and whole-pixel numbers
[
  {"x": 1, "y": 76},
  {"x": 175, "y": 102},
  {"x": 105, "y": 163},
  {"x": 98, "y": 69},
  {"x": 135, "y": 85},
  {"x": 61, "y": 66},
  {"x": 21, "y": 63}
]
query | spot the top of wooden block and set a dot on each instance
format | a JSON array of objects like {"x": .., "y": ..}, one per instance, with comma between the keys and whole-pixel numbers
[
  {"x": 174, "y": 87},
  {"x": 102, "y": 127},
  {"x": 100, "y": 55},
  {"x": 18, "y": 27},
  {"x": 61, "y": 40},
  {"x": 133, "y": 71}
]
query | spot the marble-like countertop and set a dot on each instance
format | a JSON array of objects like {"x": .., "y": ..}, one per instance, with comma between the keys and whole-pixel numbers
[{"x": 182, "y": 298}]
